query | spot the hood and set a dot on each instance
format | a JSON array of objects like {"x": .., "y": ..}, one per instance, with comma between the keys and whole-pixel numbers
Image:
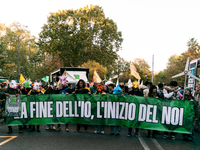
[
  {"x": 143, "y": 87},
  {"x": 175, "y": 89}
]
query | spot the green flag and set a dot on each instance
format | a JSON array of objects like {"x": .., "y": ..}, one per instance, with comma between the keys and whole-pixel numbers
[{"x": 45, "y": 79}]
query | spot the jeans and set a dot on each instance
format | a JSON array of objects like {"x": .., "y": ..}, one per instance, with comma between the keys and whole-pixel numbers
[
  {"x": 101, "y": 127},
  {"x": 79, "y": 127},
  {"x": 117, "y": 129},
  {"x": 172, "y": 133},
  {"x": 189, "y": 135},
  {"x": 10, "y": 128},
  {"x": 130, "y": 131},
  {"x": 196, "y": 118}
]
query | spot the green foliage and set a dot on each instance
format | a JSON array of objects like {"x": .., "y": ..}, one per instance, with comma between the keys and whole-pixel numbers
[
  {"x": 161, "y": 77},
  {"x": 122, "y": 68},
  {"x": 143, "y": 68},
  {"x": 78, "y": 36},
  {"x": 33, "y": 63},
  {"x": 92, "y": 65},
  {"x": 176, "y": 64},
  {"x": 9, "y": 50}
]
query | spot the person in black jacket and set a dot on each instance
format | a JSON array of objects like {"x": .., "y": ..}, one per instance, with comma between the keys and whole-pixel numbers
[
  {"x": 134, "y": 92},
  {"x": 81, "y": 89},
  {"x": 188, "y": 96},
  {"x": 35, "y": 92}
]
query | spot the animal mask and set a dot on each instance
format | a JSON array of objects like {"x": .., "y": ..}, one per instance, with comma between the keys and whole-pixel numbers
[
  {"x": 117, "y": 90},
  {"x": 135, "y": 84},
  {"x": 27, "y": 84},
  {"x": 36, "y": 85},
  {"x": 63, "y": 80},
  {"x": 13, "y": 84},
  {"x": 99, "y": 88}
]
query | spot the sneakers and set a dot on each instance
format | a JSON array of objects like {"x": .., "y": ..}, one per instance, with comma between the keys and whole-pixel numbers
[
  {"x": 59, "y": 129},
  {"x": 128, "y": 134},
  {"x": 32, "y": 130},
  {"x": 95, "y": 131},
  {"x": 165, "y": 136},
  {"x": 112, "y": 133},
  {"x": 20, "y": 131},
  {"x": 173, "y": 137},
  {"x": 53, "y": 127},
  {"x": 66, "y": 129},
  {"x": 9, "y": 131},
  {"x": 117, "y": 133},
  {"x": 102, "y": 132},
  {"x": 136, "y": 135}
]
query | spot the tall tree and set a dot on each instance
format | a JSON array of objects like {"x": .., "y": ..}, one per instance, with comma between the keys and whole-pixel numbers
[
  {"x": 78, "y": 36},
  {"x": 143, "y": 68},
  {"x": 176, "y": 63},
  {"x": 12, "y": 36},
  {"x": 92, "y": 65}
]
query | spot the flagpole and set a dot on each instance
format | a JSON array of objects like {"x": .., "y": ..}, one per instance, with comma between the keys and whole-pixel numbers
[
  {"x": 152, "y": 68},
  {"x": 18, "y": 62}
]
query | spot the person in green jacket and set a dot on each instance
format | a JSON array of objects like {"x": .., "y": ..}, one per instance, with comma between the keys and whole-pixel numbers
[
  {"x": 13, "y": 90},
  {"x": 94, "y": 88}
]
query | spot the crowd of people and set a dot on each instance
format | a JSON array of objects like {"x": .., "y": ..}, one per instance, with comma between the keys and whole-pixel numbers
[{"x": 172, "y": 92}]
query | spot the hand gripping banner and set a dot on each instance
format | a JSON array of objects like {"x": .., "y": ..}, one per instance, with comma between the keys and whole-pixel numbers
[{"x": 129, "y": 111}]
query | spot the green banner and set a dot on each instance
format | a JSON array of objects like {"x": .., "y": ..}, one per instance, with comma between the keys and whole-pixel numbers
[{"x": 129, "y": 111}]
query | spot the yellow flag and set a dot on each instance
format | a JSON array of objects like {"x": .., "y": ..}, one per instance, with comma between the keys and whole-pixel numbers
[
  {"x": 134, "y": 71},
  {"x": 21, "y": 79},
  {"x": 96, "y": 77}
]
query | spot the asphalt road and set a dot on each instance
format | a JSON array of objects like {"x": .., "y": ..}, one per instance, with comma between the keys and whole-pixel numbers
[{"x": 61, "y": 140}]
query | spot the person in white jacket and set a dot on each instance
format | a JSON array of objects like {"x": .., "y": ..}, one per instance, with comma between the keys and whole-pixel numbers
[
  {"x": 145, "y": 88},
  {"x": 171, "y": 92}
]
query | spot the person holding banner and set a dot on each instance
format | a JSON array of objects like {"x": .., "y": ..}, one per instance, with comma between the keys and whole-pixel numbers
[
  {"x": 81, "y": 89},
  {"x": 68, "y": 90},
  {"x": 93, "y": 89},
  {"x": 116, "y": 91},
  {"x": 49, "y": 90},
  {"x": 145, "y": 88},
  {"x": 134, "y": 92},
  {"x": 152, "y": 93},
  {"x": 196, "y": 95},
  {"x": 99, "y": 128},
  {"x": 36, "y": 90},
  {"x": 64, "y": 90},
  {"x": 188, "y": 96},
  {"x": 105, "y": 89},
  {"x": 172, "y": 92},
  {"x": 13, "y": 90},
  {"x": 3, "y": 99}
]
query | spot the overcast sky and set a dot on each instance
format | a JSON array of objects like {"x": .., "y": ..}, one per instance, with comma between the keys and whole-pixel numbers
[{"x": 149, "y": 27}]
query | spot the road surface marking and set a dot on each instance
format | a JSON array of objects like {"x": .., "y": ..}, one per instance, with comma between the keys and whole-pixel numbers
[
  {"x": 157, "y": 144},
  {"x": 10, "y": 138},
  {"x": 145, "y": 146}
]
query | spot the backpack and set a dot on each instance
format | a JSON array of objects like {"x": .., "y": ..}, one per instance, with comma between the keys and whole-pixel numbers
[{"x": 160, "y": 93}]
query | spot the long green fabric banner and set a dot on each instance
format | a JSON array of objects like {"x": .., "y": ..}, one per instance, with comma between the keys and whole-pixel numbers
[{"x": 129, "y": 111}]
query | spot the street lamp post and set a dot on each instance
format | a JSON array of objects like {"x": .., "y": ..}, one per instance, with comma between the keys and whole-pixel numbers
[{"x": 18, "y": 62}]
